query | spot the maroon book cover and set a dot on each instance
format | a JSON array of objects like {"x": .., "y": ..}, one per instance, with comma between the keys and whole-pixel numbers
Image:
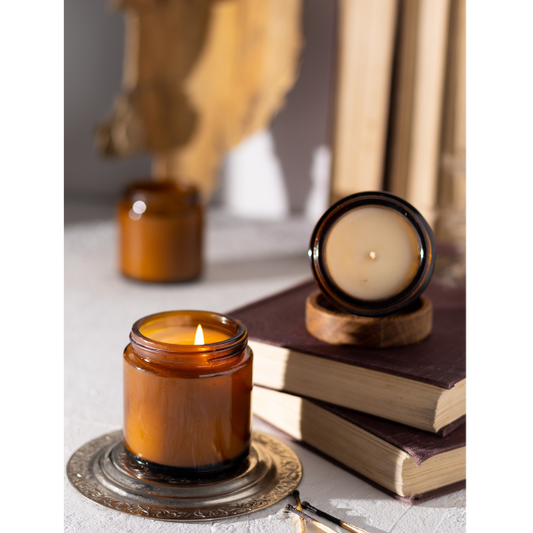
[
  {"x": 439, "y": 360},
  {"x": 420, "y": 445}
]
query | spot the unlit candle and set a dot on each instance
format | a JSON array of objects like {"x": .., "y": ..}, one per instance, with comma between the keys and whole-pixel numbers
[{"x": 372, "y": 253}]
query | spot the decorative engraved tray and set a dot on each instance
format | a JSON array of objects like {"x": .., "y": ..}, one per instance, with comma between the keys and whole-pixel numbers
[{"x": 102, "y": 471}]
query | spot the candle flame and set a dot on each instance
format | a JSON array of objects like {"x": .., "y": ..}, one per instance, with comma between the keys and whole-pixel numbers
[
  {"x": 372, "y": 255},
  {"x": 199, "y": 337}
]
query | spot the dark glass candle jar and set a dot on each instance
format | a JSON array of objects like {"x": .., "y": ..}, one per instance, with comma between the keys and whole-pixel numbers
[
  {"x": 187, "y": 406},
  {"x": 161, "y": 227},
  {"x": 372, "y": 253}
]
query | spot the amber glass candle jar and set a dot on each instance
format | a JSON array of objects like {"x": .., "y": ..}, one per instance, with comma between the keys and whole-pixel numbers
[
  {"x": 372, "y": 254},
  {"x": 160, "y": 227},
  {"x": 187, "y": 406}
]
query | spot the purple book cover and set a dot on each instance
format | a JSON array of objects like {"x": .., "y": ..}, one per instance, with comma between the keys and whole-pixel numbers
[{"x": 439, "y": 360}]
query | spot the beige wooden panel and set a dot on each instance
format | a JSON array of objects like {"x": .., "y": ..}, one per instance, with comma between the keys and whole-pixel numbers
[{"x": 364, "y": 64}]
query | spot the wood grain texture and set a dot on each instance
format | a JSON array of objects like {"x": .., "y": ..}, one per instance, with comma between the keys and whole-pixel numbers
[
  {"x": 333, "y": 326},
  {"x": 417, "y": 111},
  {"x": 451, "y": 223}
]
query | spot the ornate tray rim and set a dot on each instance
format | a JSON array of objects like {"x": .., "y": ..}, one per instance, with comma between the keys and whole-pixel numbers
[{"x": 84, "y": 466}]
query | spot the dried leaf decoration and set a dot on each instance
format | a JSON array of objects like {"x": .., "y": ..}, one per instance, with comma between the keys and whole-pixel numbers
[{"x": 199, "y": 76}]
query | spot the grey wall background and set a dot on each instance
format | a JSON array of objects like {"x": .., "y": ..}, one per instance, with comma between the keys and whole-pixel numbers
[{"x": 94, "y": 44}]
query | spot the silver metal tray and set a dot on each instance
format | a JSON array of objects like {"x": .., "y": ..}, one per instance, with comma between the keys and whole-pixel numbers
[{"x": 102, "y": 471}]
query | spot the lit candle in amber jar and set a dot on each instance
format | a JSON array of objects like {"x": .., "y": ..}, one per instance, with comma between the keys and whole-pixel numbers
[
  {"x": 160, "y": 226},
  {"x": 187, "y": 393},
  {"x": 372, "y": 253}
]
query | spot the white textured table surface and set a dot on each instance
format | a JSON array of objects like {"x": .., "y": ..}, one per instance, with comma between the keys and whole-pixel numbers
[{"x": 245, "y": 260}]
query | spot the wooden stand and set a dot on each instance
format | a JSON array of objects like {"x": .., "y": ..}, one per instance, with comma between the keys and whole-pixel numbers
[{"x": 334, "y": 326}]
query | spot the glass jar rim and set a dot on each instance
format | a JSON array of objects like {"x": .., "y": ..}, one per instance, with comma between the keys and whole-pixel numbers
[
  {"x": 331, "y": 290},
  {"x": 234, "y": 344}
]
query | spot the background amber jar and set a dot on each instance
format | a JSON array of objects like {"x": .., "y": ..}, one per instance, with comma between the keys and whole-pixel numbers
[
  {"x": 160, "y": 227},
  {"x": 187, "y": 407}
]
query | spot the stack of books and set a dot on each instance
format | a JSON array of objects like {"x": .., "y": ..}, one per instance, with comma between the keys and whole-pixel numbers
[{"x": 393, "y": 416}]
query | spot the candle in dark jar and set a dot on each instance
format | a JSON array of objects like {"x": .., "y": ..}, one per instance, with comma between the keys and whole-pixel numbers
[{"x": 372, "y": 253}]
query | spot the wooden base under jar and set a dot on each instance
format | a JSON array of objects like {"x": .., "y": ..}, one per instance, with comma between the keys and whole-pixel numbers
[{"x": 331, "y": 325}]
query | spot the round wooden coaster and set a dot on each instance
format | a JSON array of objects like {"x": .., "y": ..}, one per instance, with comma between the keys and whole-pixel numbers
[{"x": 329, "y": 324}]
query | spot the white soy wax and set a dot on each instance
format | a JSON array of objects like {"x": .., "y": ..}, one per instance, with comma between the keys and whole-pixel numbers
[{"x": 372, "y": 253}]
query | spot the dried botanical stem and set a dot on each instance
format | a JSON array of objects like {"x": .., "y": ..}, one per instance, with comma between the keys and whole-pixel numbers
[
  {"x": 200, "y": 76},
  {"x": 342, "y": 523}
]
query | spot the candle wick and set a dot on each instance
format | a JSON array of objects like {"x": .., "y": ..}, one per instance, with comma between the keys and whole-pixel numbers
[{"x": 372, "y": 255}]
